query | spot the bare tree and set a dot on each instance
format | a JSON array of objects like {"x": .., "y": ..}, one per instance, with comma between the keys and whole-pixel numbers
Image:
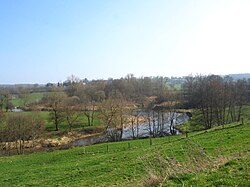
[
  {"x": 90, "y": 95},
  {"x": 112, "y": 117},
  {"x": 72, "y": 85},
  {"x": 54, "y": 100},
  {"x": 133, "y": 121},
  {"x": 71, "y": 110}
]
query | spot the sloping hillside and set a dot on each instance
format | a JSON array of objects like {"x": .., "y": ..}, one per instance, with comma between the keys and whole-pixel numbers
[{"x": 214, "y": 157}]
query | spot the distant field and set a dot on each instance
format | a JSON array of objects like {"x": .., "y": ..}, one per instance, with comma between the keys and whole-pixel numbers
[
  {"x": 123, "y": 164},
  {"x": 31, "y": 98},
  {"x": 63, "y": 126}
]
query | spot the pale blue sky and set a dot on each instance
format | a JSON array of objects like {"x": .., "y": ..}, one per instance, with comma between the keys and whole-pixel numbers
[{"x": 48, "y": 40}]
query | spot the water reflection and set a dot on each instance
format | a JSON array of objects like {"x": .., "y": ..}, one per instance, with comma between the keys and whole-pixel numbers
[{"x": 141, "y": 130}]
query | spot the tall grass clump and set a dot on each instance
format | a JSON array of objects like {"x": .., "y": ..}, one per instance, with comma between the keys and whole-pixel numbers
[{"x": 161, "y": 167}]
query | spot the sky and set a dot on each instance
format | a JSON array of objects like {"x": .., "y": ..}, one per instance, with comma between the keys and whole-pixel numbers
[{"x": 45, "y": 41}]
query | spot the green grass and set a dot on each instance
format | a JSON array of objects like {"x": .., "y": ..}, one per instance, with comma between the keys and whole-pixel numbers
[
  {"x": 232, "y": 173},
  {"x": 120, "y": 163},
  {"x": 30, "y": 98},
  {"x": 246, "y": 113},
  {"x": 78, "y": 126},
  {"x": 63, "y": 126}
]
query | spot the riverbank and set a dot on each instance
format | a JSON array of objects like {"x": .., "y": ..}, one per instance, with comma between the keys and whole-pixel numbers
[{"x": 43, "y": 144}]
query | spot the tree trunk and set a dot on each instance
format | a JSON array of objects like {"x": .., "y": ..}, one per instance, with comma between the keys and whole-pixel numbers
[
  {"x": 56, "y": 119},
  {"x": 92, "y": 115}
]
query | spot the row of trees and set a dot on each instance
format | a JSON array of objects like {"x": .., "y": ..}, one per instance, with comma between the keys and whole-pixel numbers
[
  {"x": 218, "y": 100},
  {"x": 129, "y": 88},
  {"x": 68, "y": 108}
]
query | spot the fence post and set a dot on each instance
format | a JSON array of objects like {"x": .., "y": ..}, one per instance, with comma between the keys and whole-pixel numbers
[{"x": 107, "y": 148}]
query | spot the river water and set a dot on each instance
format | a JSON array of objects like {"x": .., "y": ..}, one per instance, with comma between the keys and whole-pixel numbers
[
  {"x": 140, "y": 131},
  {"x": 144, "y": 129}
]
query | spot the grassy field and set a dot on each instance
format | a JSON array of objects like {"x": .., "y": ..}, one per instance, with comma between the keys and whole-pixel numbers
[
  {"x": 30, "y": 98},
  {"x": 63, "y": 126},
  {"x": 126, "y": 163}
]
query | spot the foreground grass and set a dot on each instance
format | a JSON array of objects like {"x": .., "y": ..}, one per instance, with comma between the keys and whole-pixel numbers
[
  {"x": 120, "y": 164},
  {"x": 235, "y": 172}
]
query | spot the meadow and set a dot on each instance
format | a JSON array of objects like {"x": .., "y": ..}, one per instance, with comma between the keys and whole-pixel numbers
[
  {"x": 32, "y": 97},
  {"x": 126, "y": 163}
]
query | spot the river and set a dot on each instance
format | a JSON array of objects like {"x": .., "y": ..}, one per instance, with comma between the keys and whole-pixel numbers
[{"x": 140, "y": 131}]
